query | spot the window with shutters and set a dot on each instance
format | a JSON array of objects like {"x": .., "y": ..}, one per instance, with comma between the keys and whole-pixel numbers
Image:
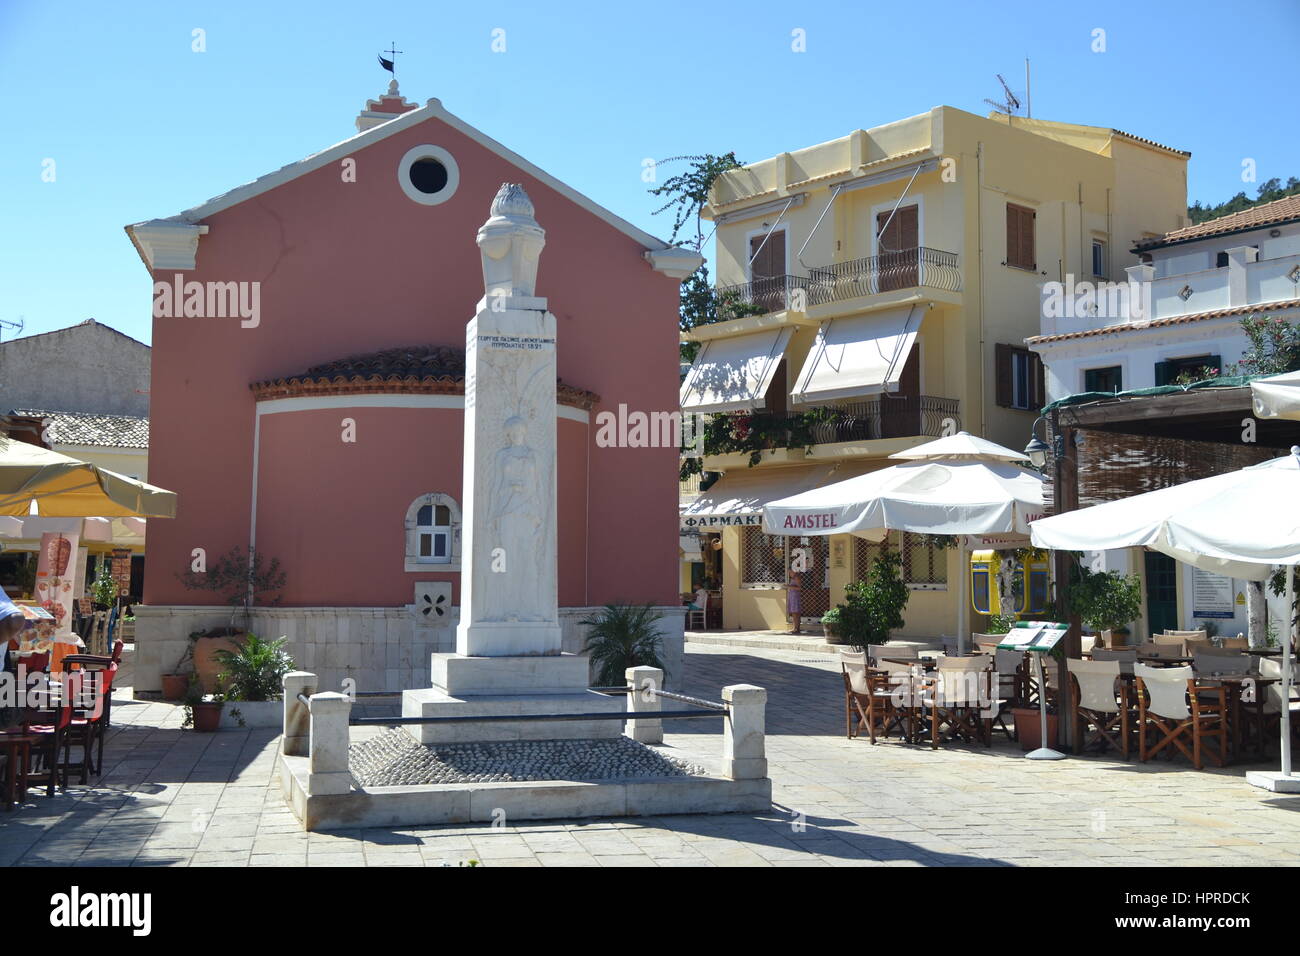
[
  {"x": 1020, "y": 237},
  {"x": 767, "y": 269},
  {"x": 1194, "y": 368},
  {"x": 1018, "y": 378},
  {"x": 1108, "y": 379},
  {"x": 433, "y": 527}
]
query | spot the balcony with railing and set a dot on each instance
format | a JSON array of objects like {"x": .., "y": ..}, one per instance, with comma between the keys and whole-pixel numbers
[
  {"x": 921, "y": 267},
  {"x": 882, "y": 416}
]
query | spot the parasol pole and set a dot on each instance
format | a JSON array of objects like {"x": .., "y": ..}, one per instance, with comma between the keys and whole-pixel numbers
[{"x": 1284, "y": 716}]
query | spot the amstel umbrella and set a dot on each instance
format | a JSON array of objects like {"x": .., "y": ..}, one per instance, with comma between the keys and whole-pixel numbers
[
  {"x": 64, "y": 487},
  {"x": 957, "y": 485}
]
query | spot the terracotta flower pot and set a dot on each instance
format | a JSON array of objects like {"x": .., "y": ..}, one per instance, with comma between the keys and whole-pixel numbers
[
  {"x": 1028, "y": 727},
  {"x": 174, "y": 685},
  {"x": 206, "y": 664},
  {"x": 207, "y": 717}
]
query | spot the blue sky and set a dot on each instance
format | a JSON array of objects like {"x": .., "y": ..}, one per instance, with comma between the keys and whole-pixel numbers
[{"x": 141, "y": 126}]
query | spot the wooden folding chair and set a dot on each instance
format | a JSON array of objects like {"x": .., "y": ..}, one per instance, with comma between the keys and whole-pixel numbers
[
  {"x": 1163, "y": 695},
  {"x": 1098, "y": 704},
  {"x": 958, "y": 699}
]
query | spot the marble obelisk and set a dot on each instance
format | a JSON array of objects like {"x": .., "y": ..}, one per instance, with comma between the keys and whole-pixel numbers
[
  {"x": 508, "y": 601},
  {"x": 508, "y": 657}
]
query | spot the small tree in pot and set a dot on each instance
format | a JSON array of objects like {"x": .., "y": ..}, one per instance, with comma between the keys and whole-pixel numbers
[
  {"x": 1104, "y": 600},
  {"x": 874, "y": 607},
  {"x": 243, "y": 578}
]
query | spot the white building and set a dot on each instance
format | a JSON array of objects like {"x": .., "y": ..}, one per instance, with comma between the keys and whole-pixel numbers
[{"x": 1180, "y": 311}]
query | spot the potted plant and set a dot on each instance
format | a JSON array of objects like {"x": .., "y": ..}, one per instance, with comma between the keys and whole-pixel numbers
[
  {"x": 175, "y": 683},
  {"x": 623, "y": 636},
  {"x": 244, "y": 579},
  {"x": 103, "y": 590},
  {"x": 1028, "y": 720},
  {"x": 202, "y": 711},
  {"x": 252, "y": 677},
  {"x": 831, "y": 623},
  {"x": 1104, "y": 600},
  {"x": 874, "y": 607}
]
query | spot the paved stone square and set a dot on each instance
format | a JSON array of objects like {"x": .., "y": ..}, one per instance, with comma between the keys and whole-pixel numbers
[{"x": 175, "y": 798}]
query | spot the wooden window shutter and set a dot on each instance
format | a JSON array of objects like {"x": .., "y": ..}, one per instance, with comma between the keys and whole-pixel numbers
[
  {"x": 1038, "y": 383},
  {"x": 1002, "y": 375},
  {"x": 1164, "y": 372},
  {"x": 1020, "y": 237}
]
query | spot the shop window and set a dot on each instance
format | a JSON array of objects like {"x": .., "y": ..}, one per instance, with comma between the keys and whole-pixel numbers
[
  {"x": 433, "y": 533},
  {"x": 762, "y": 558},
  {"x": 924, "y": 564}
]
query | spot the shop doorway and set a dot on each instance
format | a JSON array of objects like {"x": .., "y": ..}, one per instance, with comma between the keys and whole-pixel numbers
[
  {"x": 815, "y": 586},
  {"x": 1162, "y": 593}
]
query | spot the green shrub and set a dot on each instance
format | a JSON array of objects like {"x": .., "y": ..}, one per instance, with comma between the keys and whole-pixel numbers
[
  {"x": 623, "y": 636},
  {"x": 874, "y": 607}
]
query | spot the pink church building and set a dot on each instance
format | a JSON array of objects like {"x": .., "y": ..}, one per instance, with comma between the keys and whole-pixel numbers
[{"x": 308, "y": 392}]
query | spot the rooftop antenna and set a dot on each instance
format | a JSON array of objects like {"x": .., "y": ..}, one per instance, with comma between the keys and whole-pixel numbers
[
  {"x": 1010, "y": 105},
  {"x": 16, "y": 326}
]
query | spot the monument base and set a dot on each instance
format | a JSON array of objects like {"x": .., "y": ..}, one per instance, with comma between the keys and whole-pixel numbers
[
  {"x": 535, "y": 686},
  {"x": 508, "y": 639},
  {"x": 488, "y": 803}
]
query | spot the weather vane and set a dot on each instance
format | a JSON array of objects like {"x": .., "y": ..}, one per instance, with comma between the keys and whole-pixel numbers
[{"x": 389, "y": 62}]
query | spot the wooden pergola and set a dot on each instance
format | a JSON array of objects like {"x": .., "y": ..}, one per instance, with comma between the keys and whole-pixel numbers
[{"x": 1106, "y": 448}]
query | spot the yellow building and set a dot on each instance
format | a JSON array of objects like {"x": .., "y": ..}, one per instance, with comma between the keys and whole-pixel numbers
[{"x": 875, "y": 292}]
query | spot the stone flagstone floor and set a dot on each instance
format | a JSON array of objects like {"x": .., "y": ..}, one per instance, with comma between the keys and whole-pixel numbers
[{"x": 175, "y": 798}]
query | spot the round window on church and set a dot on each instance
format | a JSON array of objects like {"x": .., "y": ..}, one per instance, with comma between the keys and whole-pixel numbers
[{"x": 428, "y": 175}]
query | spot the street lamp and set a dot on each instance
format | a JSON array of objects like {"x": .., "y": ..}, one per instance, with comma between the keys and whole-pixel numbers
[{"x": 1037, "y": 449}]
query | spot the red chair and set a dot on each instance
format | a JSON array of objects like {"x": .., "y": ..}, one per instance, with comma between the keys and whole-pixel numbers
[
  {"x": 51, "y": 725},
  {"x": 93, "y": 721}
]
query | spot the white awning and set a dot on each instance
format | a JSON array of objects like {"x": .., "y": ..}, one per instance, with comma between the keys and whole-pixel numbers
[
  {"x": 733, "y": 374},
  {"x": 738, "y": 497},
  {"x": 858, "y": 355}
]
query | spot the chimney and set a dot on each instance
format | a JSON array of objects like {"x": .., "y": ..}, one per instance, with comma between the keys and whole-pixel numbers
[{"x": 389, "y": 106}]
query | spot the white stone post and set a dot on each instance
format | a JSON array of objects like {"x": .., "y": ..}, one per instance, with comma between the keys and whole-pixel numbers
[
  {"x": 644, "y": 699},
  {"x": 297, "y": 719},
  {"x": 329, "y": 744},
  {"x": 743, "y": 753}
]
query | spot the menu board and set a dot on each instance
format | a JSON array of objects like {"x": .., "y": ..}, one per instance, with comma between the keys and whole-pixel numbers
[
  {"x": 54, "y": 576},
  {"x": 1037, "y": 636},
  {"x": 121, "y": 571}
]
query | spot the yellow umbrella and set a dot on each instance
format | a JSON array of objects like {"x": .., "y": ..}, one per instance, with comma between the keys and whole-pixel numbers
[{"x": 64, "y": 487}]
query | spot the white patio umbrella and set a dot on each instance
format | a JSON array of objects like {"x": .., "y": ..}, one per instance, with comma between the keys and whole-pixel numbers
[
  {"x": 1241, "y": 524},
  {"x": 1277, "y": 396},
  {"x": 957, "y": 485}
]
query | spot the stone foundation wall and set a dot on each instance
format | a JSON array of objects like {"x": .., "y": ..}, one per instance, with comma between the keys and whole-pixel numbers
[{"x": 380, "y": 648}]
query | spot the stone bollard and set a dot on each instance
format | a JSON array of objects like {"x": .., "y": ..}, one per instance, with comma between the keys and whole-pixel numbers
[
  {"x": 743, "y": 754},
  {"x": 641, "y": 699},
  {"x": 297, "y": 719},
  {"x": 329, "y": 744}
]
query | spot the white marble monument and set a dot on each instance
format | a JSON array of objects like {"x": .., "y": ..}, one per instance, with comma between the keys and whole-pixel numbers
[{"x": 508, "y": 658}]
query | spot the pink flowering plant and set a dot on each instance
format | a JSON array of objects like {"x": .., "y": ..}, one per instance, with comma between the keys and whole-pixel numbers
[{"x": 1274, "y": 346}]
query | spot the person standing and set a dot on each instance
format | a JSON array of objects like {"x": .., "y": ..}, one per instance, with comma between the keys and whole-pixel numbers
[{"x": 793, "y": 604}]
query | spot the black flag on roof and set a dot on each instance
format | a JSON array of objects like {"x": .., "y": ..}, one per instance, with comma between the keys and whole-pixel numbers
[{"x": 387, "y": 65}]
